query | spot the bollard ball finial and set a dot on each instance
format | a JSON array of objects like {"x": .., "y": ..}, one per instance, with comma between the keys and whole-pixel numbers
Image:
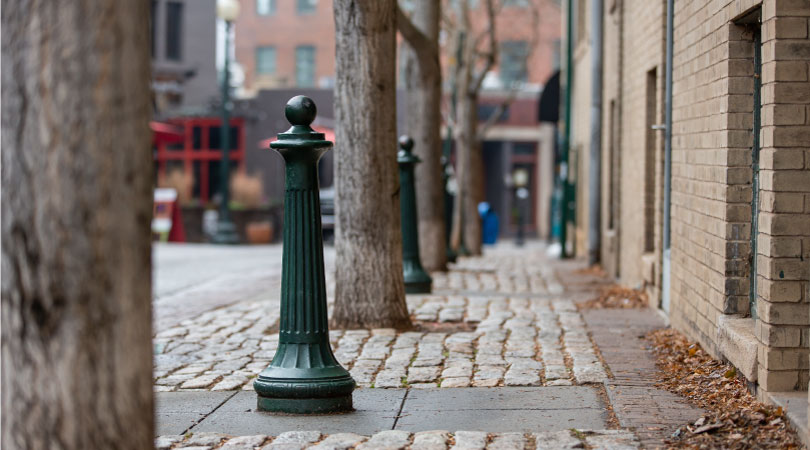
[
  {"x": 300, "y": 110},
  {"x": 405, "y": 142}
]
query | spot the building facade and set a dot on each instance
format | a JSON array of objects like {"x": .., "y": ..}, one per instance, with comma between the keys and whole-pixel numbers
[
  {"x": 291, "y": 43},
  {"x": 277, "y": 56},
  {"x": 736, "y": 279},
  {"x": 184, "y": 42},
  {"x": 286, "y": 43}
]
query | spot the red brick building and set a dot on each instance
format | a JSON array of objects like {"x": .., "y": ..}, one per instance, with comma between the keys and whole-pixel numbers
[
  {"x": 291, "y": 43},
  {"x": 285, "y": 43}
]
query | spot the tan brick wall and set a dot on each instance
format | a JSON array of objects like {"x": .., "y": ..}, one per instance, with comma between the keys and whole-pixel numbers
[
  {"x": 711, "y": 174},
  {"x": 633, "y": 43},
  {"x": 783, "y": 247},
  {"x": 712, "y": 171},
  {"x": 612, "y": 170},
  {"x": 581, "y": 122},
  {"x": 643, "y": 49},
  {"x": 711, "y": 210}
]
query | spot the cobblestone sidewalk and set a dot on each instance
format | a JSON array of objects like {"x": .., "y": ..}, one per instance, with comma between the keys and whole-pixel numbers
[
  {"x": 498, "y": 320},
  {"x": 394, "y": 439}
]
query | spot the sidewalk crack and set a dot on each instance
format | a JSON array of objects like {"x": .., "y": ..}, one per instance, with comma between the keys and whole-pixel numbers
[
  {"x": 401, "y": 407},
  {"x": 209, "y": 413}
]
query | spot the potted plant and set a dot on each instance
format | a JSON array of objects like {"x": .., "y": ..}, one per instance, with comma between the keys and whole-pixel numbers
[{"x": 247, "y": 192}]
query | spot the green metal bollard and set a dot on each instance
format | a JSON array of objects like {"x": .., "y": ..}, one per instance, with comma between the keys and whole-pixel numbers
[
  {"x": 417, "y": 281},
  {"x": 304, "y": 376},
  {"x": 448, "y": 209}
]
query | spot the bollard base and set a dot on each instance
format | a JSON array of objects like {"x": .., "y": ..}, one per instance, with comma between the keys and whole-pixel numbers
[
  {"x": 225, "y": 234},
  {"x": 306, "y": 405},
  {"x": 418, "y": 287}
]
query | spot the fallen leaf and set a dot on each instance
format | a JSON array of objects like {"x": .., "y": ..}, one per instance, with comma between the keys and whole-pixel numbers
[{"x": 709, "y": 427}]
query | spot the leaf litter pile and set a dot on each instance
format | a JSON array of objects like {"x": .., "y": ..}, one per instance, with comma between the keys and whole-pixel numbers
[
  {"x": 617, "y": 297},
  {"x": 735, "y": 419}
]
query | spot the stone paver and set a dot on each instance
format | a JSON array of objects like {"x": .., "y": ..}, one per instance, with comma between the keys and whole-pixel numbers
[
  {"x": 519, "y": 342},
  {"x": 428, "y": 440},
  {"x": 516, "y": 331}
]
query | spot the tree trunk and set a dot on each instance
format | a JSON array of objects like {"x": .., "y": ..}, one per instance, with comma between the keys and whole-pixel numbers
[
  {"x": 368, "y": 238},
  {"x": 76, "y": 210},
  {"x": 474, "y": 228},
  {"x": 465, "y": 214},
  {"x": 423, "y": 83}
]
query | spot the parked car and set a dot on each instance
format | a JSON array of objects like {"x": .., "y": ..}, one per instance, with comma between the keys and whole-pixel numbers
[{"x": 328, "y": 213}]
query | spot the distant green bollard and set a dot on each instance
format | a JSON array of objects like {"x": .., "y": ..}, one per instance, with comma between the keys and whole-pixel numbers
[
  {"x": 417, "y": 281},
  {"x": 304, "y": 376}
]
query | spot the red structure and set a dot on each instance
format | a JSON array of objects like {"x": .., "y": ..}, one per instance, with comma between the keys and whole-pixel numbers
[{"x": 199, "y": 152}]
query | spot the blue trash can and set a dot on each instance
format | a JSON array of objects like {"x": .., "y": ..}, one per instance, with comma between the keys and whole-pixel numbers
[{"x": 489, "y": 223}]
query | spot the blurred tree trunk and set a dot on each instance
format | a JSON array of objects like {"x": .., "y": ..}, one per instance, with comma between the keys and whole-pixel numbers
[
  {"x": 423, "y": 82},
  {"x": 368, "y": 238},
  {"x": 468, "y": 78},
  {"x": 76, "y": 211},
  {"x": 476, "y": 53}
]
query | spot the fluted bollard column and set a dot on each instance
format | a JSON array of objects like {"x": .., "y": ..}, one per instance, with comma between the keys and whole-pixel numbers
[
  {"x": 304, "y": 376},
  {"x": 417, "y": 281}
]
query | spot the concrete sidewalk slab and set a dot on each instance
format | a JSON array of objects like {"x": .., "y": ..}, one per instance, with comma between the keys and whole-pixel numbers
[
  {"x": 176, "y": 412},
  {"x": 503, "y": 409},
  {"x": 503, "y": 398},
  {"x": 504, "y": 420},
  {"x": 375, "y": 410}
]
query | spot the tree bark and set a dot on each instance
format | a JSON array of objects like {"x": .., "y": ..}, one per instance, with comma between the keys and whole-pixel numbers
[
  {"x": 76, "y": 211},
  {"x": 368, "y": 238},
  {"x": 474, "y": 230},
  {"x": 423, "y": 83},
  {"x": 469, "y": 168}
]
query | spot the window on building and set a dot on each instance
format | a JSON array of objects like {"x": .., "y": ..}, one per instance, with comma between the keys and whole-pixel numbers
[
  {"x": 305, "y": 6},
  {"x": 266, "y": 60},
  {"x": 517, "y": 3},
  {"x": 614, "y": 165},
  {"x": 485, "y": 111},
  {"x": 305, "y": 66},
  {"x": 265, "y": 7},
  {"x": 513, "y": 62},
  {"x": 651, "y": 114},
  {"x": 174, "y": 31}
]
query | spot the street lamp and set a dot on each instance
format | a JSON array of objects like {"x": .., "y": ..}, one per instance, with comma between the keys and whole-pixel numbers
[
  {"x": 228, "y": 11},
  {"x": 520, "y": 178}
]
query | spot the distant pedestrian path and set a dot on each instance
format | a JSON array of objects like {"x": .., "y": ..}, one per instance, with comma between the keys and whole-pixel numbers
[
  {"x": 189, "y": 279},
  {"x": 496, "y": 320}
]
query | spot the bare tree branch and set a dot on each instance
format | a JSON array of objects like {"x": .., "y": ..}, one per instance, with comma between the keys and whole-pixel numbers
[
  {"x": 448, "y": 22},
  {"x": 496, "y": 115},
  {"x": 422, "y": 45},
  {"x": 492, "y": 55},
  {"x": 532, "y": 45}
]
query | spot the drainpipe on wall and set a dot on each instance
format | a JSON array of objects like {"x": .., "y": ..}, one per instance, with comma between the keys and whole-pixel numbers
[
  {"x": 595, "y": 166},
  {"x": 666, "y": 267},
  {"x": 566, "y": 138}
]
